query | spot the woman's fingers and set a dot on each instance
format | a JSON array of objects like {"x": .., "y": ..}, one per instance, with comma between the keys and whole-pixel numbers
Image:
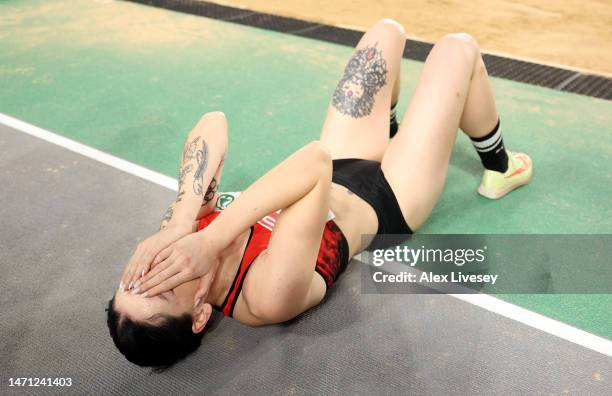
[
  {"x": 154, "y": 271},
  {"x": 140, "y": 271},
  {"x": 145, "y": 260},
  {"x": 139, "y": 266},
  {"x": 164, "y": 254},
  {"x": 162, "y": 272},
  {"x": 166, "y": 281},
  {"x": 147, "y": 255},
  {"x": 148, "y": 261},
  {"x": 130, "y": 268}
]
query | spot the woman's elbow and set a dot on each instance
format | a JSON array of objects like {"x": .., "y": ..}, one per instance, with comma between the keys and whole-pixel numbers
[
  {"x": 321, "y": 157},
  {"x": 320, "y": 152},
  {"x": 213, "y": 125}
]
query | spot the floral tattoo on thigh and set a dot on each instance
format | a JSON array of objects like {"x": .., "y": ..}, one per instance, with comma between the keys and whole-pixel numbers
[{"x": 364, "y": 75}]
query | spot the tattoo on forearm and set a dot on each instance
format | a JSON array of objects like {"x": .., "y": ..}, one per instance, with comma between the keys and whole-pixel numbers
[
  {"x": 196, "y": 150},
  {"x": 189, "y": 152},
  {"x": 182, "y": 174},
  {"x": 198, "y": 176},
  {"x": 190, "y": 149},
  {"x": 179, "y": 196},
  {"x": 167, "y": 217},
  {"x": 211, "y": 191},
  {"x": 364, "y": 75}
]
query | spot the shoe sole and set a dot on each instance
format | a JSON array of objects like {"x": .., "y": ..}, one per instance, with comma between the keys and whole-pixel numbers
[{"x": 499, "y": 194}]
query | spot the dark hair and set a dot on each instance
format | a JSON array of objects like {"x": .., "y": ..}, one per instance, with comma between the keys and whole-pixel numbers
[{"x": 157, "y": 345}]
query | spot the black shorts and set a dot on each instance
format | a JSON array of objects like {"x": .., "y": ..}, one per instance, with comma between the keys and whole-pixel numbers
[{"x": 365, "y": 178}]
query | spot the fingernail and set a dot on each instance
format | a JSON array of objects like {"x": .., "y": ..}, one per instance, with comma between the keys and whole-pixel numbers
[
  {"x": 142, "y": 273},
  {"x": 197, "y": 302},
  {"x": 137, "y": 283},
  {"x": 145, "y": 294},
  {"x": 135, "y": 291},
  {"x": 121, "y": 285},
  {"x": 130, "y": 285}
]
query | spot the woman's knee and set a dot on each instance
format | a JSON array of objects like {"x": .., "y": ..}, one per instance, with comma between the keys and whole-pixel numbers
[
  {"x": 459, "y": 44},
  {"x": 392, "y": 27},
  {"x": 465, "y": 37},
  {"x": 459, "y": 40}
]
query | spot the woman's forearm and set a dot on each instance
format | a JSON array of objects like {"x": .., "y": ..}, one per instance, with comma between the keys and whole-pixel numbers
[
  {"x": 199, "y": 170},
  {"x": 282, "y": 186}
]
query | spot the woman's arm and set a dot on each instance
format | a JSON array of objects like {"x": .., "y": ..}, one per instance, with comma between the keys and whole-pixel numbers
[
  {"x": 280, "y": 188},
  {"x": 282, "y": 284},
  {"x": 199, "y": 173}
]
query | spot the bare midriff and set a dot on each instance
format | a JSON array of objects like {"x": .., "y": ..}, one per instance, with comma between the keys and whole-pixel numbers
[{"x": 354, "y": 216}]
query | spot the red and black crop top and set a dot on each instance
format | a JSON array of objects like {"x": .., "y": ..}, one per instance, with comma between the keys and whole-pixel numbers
[{"x": 331, "y": 260}]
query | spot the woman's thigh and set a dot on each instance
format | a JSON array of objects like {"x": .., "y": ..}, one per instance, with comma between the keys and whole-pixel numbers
[
  {"x": 357, "y": 122},
  {"x": 416, "y": 161}
]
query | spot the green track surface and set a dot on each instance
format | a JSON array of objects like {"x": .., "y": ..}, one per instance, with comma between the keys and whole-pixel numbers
[{"x": 132, "y": 80}]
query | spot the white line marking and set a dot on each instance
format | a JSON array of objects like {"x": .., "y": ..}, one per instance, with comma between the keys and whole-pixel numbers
[
  {"x": 540, "y": 322},
  {"x": 91, "y": 152},
  {"x": 511, "y": 311},
  {"x": 492, "y": 304}
]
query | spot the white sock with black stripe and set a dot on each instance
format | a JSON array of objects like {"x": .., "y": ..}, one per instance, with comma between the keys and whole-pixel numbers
[{"x": 491, "y": 150}]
